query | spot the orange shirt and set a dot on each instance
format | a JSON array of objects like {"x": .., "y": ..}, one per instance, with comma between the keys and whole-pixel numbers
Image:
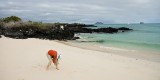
[{"x": 54, "y": 54}]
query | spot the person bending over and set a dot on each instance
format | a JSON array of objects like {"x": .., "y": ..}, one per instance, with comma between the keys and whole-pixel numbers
[{"x": 53, "y": 56}]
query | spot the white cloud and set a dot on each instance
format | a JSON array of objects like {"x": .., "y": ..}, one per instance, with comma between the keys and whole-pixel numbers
[
  {"x": 141, "y": 1},
  {"x": 44, "y": 5},
  {"x": 10, "y": 2},
  {"x": 46, "y": 14},
  {"x": 121, "y": 11}
]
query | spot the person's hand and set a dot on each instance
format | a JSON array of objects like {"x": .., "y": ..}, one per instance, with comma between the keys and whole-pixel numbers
[{"x": 57, "y": 68}]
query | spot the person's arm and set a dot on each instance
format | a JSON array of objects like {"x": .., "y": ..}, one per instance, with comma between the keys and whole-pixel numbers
[
  {"x": 49, "y": 57},
  {"x": 50, "y": 61}
]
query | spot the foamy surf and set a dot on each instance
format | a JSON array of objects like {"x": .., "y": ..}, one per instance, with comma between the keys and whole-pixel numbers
[{"x": 114, "y": 48}]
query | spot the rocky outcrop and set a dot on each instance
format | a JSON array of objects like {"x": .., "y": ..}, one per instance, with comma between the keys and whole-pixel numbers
[
  {"x": 33, "y": 32},
  {"x": 98, "y": 23},
  {"x": 99, "y": 30},
  {"x": 106, "y": 30},
  {"x": 52, "y": 33},
  {"x": 14, "y": 27},
  {"x": 124, "y": 28}
]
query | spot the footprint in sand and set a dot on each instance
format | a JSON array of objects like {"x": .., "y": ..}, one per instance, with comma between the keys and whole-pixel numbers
[
  {"x": 39, "y": 67},
  {"x": 20, "y": 79}
]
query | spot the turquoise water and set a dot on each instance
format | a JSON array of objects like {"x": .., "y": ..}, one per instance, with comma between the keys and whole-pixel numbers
[{"x": 144, "y": 36}]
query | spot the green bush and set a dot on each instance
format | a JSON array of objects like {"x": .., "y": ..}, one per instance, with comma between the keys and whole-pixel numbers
[{"x": 12, "y": 19}]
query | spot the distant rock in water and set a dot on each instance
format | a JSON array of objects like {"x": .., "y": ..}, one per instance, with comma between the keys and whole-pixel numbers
[
  {"x": 124, "y": 28},
  {"x": 141, "y": 22},
  {"x": 98, "y": 23}
]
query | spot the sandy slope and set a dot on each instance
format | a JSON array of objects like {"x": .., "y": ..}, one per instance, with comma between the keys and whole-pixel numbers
[{"x": 26, "y": 60}]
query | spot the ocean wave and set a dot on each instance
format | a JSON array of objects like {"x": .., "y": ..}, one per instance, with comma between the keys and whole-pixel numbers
[
  {"x": 145, "y": 31},
  {"x": 98, "y": 41},
  {"x": 114, "y": 48},
  {"x": 136, "y": 44}
]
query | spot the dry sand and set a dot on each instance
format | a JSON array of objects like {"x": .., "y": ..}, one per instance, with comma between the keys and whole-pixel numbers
[{"x": 26, "y": 60}]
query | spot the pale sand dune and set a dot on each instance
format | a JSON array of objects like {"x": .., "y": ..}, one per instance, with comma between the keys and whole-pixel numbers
[{"x": 26, "y": 60}]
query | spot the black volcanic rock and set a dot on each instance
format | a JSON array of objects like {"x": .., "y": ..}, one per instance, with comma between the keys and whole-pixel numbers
[
  {"x": 1, "y": 30},
  {"x": 28, "y": 32},
  {"x": 55, "y": 32},
  {"x": 141, "y": 22},
  {"x": 124, "y": 28},
  {"x": 10, "y": 27},
  {"x": 74, "y": 38},
  {"x": 106, "y": 30}
]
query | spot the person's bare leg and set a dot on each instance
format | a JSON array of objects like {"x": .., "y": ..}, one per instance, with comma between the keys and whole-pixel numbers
[
  {"x": 56, "y": 64},
  {"x": 49, "y": 64}
]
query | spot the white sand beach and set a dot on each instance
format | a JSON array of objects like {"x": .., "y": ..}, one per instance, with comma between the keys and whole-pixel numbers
[{"x": 25, "y": 59}]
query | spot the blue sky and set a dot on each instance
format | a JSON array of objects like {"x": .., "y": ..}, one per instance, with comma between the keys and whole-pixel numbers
[{"x": 83, "y": 11}]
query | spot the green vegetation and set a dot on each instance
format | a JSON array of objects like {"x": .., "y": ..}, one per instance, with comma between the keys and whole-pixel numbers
[
  {"x": 11, "y": 19},
  {"x": 14, "y": 21}
]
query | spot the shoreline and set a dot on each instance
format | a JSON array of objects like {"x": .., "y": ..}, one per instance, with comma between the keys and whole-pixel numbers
[{"x": 133, "y": 53}]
